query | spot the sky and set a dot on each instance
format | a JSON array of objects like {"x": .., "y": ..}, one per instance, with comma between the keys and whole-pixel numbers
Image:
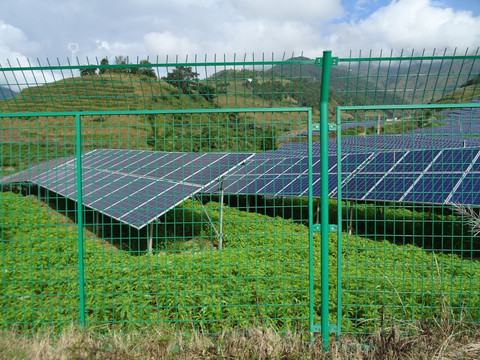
[{"x": 141, "y": 29}]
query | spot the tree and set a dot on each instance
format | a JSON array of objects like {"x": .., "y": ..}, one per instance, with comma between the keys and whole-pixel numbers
[
  {"x": 146, "y": 70},
  {"x": 88, "y": 71},
  {"x": 121, "y": 60},
  {"x": 207, "y": 91},
  {"x": 103, "y": 62},
  {"x": 183, "y": 78}
]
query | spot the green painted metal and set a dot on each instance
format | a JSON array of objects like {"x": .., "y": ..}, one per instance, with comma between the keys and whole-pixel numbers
[
  {"x": 311, "y": 259},
  {"x": 216, "y": 64},
  {"x": 339, "y": 227},
  {"x": 176, "y": 274},
  {"x": 407, "y": 58},
  {"x": 154, "y": 112},
  {"x": 80, "y": 218},
  {"x": 325, "y": 267},
  {"x": 400, "y": 261},
  {"x": 409, "y": 107}
]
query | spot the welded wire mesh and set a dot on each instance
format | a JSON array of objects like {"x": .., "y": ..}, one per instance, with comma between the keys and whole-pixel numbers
[
  {"x": 172, "y": 193},
  {"x": 114, "y": 213},
  {"x": 410, "y": 190}
]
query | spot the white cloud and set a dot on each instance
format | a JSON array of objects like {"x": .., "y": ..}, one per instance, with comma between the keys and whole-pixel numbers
[
  {"x": 287, "y": 10},
  {"x": 265, "y": 36},
  {"x": 13, "y": 42},
  {"x": 168, "y": 43},
  {"x": 408, "y": 24},
  {"x": 182, "y": 27}
]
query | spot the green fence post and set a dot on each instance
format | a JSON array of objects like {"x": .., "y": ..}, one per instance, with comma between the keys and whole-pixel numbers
[
  {"x": 79, "y": 213},
  {"x": 310, "y": 233},
  {"x": 327, "y": 60},
  {"x": 339, "y": 224}
]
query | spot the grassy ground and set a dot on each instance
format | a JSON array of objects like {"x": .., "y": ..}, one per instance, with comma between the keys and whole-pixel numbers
[
  {"x": 425, "y": 341},
  {"x": 260, "y": 276}
]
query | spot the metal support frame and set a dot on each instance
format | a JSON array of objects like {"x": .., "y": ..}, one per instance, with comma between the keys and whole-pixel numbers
[
  {"x": 324, "y": 227},
  {"x": 150, "y": 236},
  {"x": 210, "y": 220},
  {"x": 220, "y": 235},
  {"x": 97, "y": 225}
]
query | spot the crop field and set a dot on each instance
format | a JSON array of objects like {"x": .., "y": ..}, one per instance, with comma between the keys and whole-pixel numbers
[{"x": 199, "y": 287}]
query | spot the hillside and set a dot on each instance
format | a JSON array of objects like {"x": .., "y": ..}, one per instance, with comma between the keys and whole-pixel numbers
[
  {"x": 390, "y": 82},
  {"x": 346, "y": 86},
  {"x": 253, "y": 132}
]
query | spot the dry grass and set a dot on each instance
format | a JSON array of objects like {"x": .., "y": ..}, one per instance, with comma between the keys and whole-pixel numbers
[{"x": 425, "y": 341}]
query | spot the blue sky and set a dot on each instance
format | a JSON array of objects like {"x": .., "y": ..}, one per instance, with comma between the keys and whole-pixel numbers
[
  {"x": 362, "y": 8},
  {"x": 31, "y": 29}
]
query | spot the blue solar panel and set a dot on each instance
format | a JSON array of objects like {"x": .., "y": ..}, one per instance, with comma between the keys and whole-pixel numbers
[
  {"x": 383, "y": 176},
  {"x": 454, "y": 160},
  {"x": 468, "y": 190},
  {"x": 197, "y": 168},
  {"x": 433, "y": 188},
  {"x": 391, "y": 188},
  {"x": 383, "y": 162},
  {"x": 126, "y": 198},
  {"x": 126, "y": 184},
  {"x": 416, "y": 161},
  {"x": 359, "y": 185}
]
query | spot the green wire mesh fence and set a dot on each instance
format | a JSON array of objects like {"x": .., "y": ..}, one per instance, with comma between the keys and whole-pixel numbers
[
  {"x": 189, "y": 194},
  {"x": 409, "y": 184},
  {"x": 162, "y": 225}
]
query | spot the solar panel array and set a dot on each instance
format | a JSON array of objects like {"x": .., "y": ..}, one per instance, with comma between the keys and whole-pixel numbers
[
  {"x": 426, "y": 176},
  {"x": 136, "y": 187},
  {"x": 351, "y": 144},
  {"x": 456, "y": 122}
]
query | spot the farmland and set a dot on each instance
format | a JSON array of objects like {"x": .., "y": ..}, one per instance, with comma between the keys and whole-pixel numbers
[{"x": 126, "y": 291}]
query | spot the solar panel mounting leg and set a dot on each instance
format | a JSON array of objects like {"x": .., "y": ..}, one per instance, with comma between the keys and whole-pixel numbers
[
  {"x": 97, "y": 225},
  {"x": 350, "y": 227},
  {"x": 150, "y": 237},
  {"x": 220, "y": 236},
  {"x": 208, "y": 217}
]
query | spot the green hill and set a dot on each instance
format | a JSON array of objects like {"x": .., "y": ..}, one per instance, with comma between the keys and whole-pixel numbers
[{"x": 56, "y": 133}]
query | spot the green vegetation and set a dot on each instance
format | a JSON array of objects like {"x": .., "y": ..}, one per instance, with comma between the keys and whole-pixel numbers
[
  {"x": 473, "y": 81},
  {"x": 262, "y": 276},
  {"x": 19, "y": 156},
  {"x": 130, "y": 90}
]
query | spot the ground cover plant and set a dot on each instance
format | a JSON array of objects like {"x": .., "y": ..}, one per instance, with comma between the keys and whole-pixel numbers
[{"x": 261, "y": 277}]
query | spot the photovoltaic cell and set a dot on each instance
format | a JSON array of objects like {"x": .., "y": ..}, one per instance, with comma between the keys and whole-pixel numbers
[
  {"x": 468, "y": 191},
  {"x": 432, "y": 188},
  {"x": 409, "y": 175},
  {"x": 136, "y": 187}
]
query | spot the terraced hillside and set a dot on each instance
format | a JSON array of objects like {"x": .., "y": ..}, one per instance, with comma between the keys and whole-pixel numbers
[{"x": 55, "y": 132}]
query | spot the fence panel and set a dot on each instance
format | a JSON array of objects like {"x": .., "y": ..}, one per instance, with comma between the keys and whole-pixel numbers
[
  {"x": 409, "y": 188},
  {"x": 154, "y": 194}
]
